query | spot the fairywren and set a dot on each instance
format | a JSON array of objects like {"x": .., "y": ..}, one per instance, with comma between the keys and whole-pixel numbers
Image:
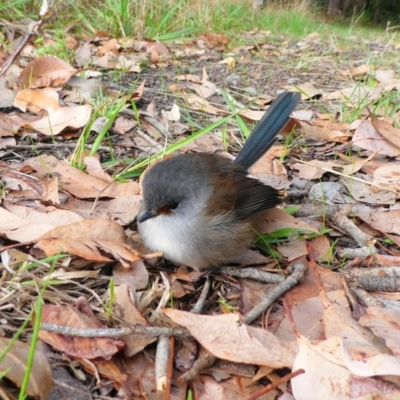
[{"x": 199, "y": 209}]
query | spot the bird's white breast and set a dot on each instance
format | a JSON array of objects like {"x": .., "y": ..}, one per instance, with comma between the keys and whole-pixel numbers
[{"x": 171, "y": 235}]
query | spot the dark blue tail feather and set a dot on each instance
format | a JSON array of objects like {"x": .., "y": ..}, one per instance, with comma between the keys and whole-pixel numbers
[{"x": 264, "y": 134}]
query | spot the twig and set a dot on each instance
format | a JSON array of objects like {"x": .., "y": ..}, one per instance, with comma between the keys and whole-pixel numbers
[
  {"x": 274, "y": 385},
  {"x": 274, "y": 294},
  {"x": 198, "y": 307},
  {"x": 162, "y": 356},
  {"x": 252, "y": 273},
  {"x": 205, "y": 360},
  {"x": 363, "y": 240},
  {"x": 365, "y": 297},
  {"x": 170, "y": 367},
  {"x": 33, "y": 29},
  {"x": 149, "y": 331},
  {"x": 149, "y": 139},
  {"x": 329, "y": 210},
  {"x": 49, "y": 146},
  {"x": 352, "y": 253},
  {"x": 382, "y": 279},
  {"x": 158, "y": 125}
]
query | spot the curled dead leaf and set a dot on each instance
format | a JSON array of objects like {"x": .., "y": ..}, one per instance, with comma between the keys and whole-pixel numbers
[{"x": 46, "y": 72}]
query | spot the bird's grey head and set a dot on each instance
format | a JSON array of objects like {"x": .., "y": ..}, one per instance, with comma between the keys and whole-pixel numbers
[{"x": 175, "y": 187}]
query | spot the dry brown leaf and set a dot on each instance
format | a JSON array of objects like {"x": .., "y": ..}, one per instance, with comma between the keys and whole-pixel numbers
[
  {"x": 7, "y": 126},
  {"x": 213, "y": 40},
  {"x": 126, "y": 64},
  {"x": 385, "y": 323},
  {"x": 325, "y": 377},
  {"x": 369, "y": 194},
  {"x": 35, "y": 100},
  {"x": 306, "y": 306},
  {"x": 388, "y": 131},
  {"x": 78, "y": 183},
  {"x": 83, "y": 56},
  {"x": 197, "y": 103},
  {"x": 109, "y": 370},
  {"x": 232, "y": 388},
  {"x": 355, "y": 94},
  {"x": 81, "y": 247},
  {"x": 387, "y": 222},
  {"x": 360, "y": 71},
  {"x": 383, "y": 75},
  {"x": 307, "y": 315},
  {"x": 141, "y": 379},
  {"x": 122, "y": 209},
  {"x": 44, "y": 215},
  {"x": 50, "y": 190},
  {"x": 189, "y": 78},
  {"x": 313, "y": 171},
  {"x": 229, "y": 61},
  {"x": 149, "y": 44},
  {"x": 46, "y": 72},
  {"x": 265, "y": 164},
  {"x": 321, "y": 248},
  {"x": 109, "y": 46},
  {"x": 22, "y": 229},
  {"x": 79, "y": 316},
  {"x": 384, "y": 87},
  {"x": 323, "y": 133},
  {"x": 205, "y": 88},
  {"x": 302, "y": 115},
  {"x": 368, "y": 138},
  {"x": 127, "y": 311},
  {"x": 122, "y": 125},
  {"x": 293, "y": 250},
  {"x": 89, "y": 239},
  {"x": 387, "y": 176},
  {"x": 14, "y": 365},
  {"x": 55, "y": 122},
  {"x": 154, "y": 55},
  {"x": 135, "y": 275},
  {"x": 307, "y": 90},
  {"x": 138, "y": 93},
  {"x": 6, "y": 94},
  {"x": 251, "y": 115},
  {"x": 275, "y": 219},
  {"x": 226, "y": 337}
]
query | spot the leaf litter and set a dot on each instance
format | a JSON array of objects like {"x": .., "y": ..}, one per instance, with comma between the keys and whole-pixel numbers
[{"x": 74, "y": 227}]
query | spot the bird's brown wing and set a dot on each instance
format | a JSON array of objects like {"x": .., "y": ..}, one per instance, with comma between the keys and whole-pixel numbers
[
  {"x": 253, "y": 197},
  {"x": 238, "y": 194}
]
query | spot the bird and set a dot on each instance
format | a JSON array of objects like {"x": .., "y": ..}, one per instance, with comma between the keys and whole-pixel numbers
[{"x": 199, "y": 209}]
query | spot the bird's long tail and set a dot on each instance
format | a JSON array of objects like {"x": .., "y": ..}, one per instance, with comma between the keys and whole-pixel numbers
[{"x": 264, "y": 134}]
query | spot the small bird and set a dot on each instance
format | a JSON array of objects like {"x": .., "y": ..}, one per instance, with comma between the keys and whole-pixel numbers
[{"x": 199, "y": 209}]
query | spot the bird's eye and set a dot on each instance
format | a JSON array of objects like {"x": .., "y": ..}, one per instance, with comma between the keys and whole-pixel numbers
[{"x": 173, "y": 206}]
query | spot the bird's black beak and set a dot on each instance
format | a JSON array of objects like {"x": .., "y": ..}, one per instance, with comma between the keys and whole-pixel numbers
[{"x": 147, "y": 215}]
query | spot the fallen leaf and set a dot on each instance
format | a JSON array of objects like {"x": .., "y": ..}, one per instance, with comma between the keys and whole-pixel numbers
[
  {"x": 78, "y": 183},
  {"x": 80, "y": 316},
  {"x": 55, "y": 122},
  {"x": 15, "y": 363},
  {"x": 46, "y": 71},
  {"x": 387, "y": 222},
  {"x": 127, "y": 311},
  {"x": 388, "y": 131},
  {"x": 368, "y": 138},
  {"x": 89, "y": 239},
  {"x": 357, "y": 72},
  {"x": 226, "y": 337},
  {"x": 35, "y": 100}
]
